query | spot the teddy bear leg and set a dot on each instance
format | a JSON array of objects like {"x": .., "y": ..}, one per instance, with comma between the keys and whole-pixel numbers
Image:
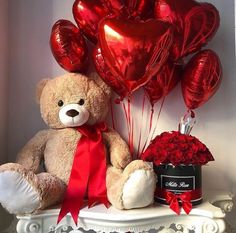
[
  {"x": 135, "y": 187},
  {"x": 114, "y": 186},
  {"x": 17, "y": 192},
  {"x": 22, "y": 192},
  {"x": 51, "y": 188}
]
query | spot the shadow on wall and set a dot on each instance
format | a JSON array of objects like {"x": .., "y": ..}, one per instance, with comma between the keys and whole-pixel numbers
[{"x": 5, "y": 221}]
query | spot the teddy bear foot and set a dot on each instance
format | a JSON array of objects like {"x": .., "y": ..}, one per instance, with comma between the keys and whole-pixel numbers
[
  {"x": 17, "y": 195},
  {"x": 138, "y": 190}
]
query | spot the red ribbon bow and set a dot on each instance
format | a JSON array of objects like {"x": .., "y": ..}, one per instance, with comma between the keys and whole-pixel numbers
[
  {"x": 174, "y": 201},
  {"x": 88, "y": 172}
]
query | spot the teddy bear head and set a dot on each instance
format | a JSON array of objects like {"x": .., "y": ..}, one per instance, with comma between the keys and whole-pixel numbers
[{"x": 73, "y": 100}]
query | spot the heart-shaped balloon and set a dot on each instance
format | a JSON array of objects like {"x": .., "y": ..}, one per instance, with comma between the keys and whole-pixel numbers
[
  {"x": 68, "y": 46},
  {"x": 201, "y": 78},
  {"x": 140, "y": 8},
  {"x": 194, "y": 23},
  {"x": 134, "y": 51},
  {"x": 105, "y": 73},
  {"x": 88, "y": 14},
  {"x": 161, "y": 84}
]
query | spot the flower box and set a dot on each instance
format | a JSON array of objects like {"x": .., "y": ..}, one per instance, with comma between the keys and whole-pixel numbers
[
  {"x": 177, "y": 159},
  {"x": 178, "y": 180}
]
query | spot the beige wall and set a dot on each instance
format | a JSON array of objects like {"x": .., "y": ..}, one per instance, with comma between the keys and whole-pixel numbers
[
  {"x": 3, "y": 78},
  {"x": 5, "y": 219}
]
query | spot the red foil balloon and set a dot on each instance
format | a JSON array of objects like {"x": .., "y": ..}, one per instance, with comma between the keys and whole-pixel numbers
[
  {"x": 201, "y": 78},
  {"x": 106, "y": 74},
  {"x": 160, "y": 85},
  {"x": 88, "y": 14},
  {"x": 68, "y": 46},
  {"x": 134, "y": 51},
  {"x": 140, "y": 8},
  {"x": 194, "y": 23}
]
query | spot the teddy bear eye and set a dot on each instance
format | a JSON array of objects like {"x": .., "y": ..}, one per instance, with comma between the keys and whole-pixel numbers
[
  {"x": 60, "y": 103},
  {"x": 81, "y": 102}
]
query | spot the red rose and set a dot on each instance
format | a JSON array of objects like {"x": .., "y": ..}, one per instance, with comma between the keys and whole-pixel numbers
[{"x": 176, "y": 148}]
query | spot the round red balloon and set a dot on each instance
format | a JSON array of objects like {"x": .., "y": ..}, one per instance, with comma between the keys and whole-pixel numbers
[
  {"x": 194, "y": 24},
  {"x": 201, "y": 79},
  {"x": 134, "y": 51},
  {"x": 160, "y": 85},
  {"x": 105, "y": 73},
  {"x": 68, "y": 46}
]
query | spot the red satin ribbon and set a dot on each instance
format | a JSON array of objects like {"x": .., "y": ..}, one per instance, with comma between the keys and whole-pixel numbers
[
  {"x": 174, "y": 201},
  {"x": 88, "y": 172},
  {"x": 177, "y": 200}
]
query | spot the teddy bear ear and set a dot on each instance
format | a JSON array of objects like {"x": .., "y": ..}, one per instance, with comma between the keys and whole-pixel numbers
[
  {"x": 106, "y": 89},
  {"x": 39, "y": 89}
]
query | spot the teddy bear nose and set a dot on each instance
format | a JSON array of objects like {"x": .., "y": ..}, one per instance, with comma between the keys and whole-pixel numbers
[{"x": 72, "y": 113}]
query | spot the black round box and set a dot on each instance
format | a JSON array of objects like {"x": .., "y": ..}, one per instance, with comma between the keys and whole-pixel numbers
[{"x": 178, "y": 179}]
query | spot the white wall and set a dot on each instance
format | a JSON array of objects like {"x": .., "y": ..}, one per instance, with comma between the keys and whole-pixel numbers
[
  {"x": 5, "y": 219},
  {"x": 31, "y": 60},
  {"x": 3, "y": 78}
]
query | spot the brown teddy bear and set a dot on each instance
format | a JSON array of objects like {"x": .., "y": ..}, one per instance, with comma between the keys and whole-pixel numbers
[{"x": 67, "y": 102}]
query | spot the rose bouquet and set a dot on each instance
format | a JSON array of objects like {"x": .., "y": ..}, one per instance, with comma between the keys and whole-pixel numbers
[
  {"x": 177, "y": 149},
  {"x": 177, "y": 160}
]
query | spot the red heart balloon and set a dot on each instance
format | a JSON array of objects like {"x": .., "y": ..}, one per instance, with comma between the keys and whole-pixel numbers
[
  {"x": 134, "y": 51},
  {"x": 87, "y": 14},
  {"x": 194, "y": 23},
  {"x": 160, "y": 85},
  {"x": 106, "y": 74},
  {"x": 201, "y": 79},
  {"x": 131, "y": 9},
  {"x": 68, "y": 46}
]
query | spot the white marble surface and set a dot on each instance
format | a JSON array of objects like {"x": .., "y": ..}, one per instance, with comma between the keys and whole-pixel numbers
[{"x": 208, "y": 217}]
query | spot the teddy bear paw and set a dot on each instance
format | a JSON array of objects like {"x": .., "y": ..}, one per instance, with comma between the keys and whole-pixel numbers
[
  {"x": 138, "y": 191},
  {"x": 17, "y": 195}
]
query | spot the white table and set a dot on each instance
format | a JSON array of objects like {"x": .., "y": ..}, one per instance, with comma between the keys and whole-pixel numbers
[{"x": 207, "y": 217}]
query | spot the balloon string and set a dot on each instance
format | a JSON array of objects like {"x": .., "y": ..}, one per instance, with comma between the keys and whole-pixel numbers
[
  {"x": 150, "y": 127},
  {"x": 149, "y": 139},
  {"x": 145, "y": 143},
  {"x": 112, "y": 115},
  {"x": 127, "y": 121},
  {"x": 189, "y": 112},
  {"x": 158, "y": 117},
  {"x": 132, "y": 138},
  {"x": 131, "y": 126},
  {"x": 140, "y": 130},
  {"x": 151, "y": 118}
]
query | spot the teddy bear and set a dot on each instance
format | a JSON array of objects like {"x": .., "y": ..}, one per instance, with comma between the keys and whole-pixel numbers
[{"x": 67, "y": 102}]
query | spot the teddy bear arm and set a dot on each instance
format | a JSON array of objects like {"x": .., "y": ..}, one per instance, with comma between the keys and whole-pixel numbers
[
  {"x": 118, "y": 149},
  {"x": 31, "y": 154}
]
